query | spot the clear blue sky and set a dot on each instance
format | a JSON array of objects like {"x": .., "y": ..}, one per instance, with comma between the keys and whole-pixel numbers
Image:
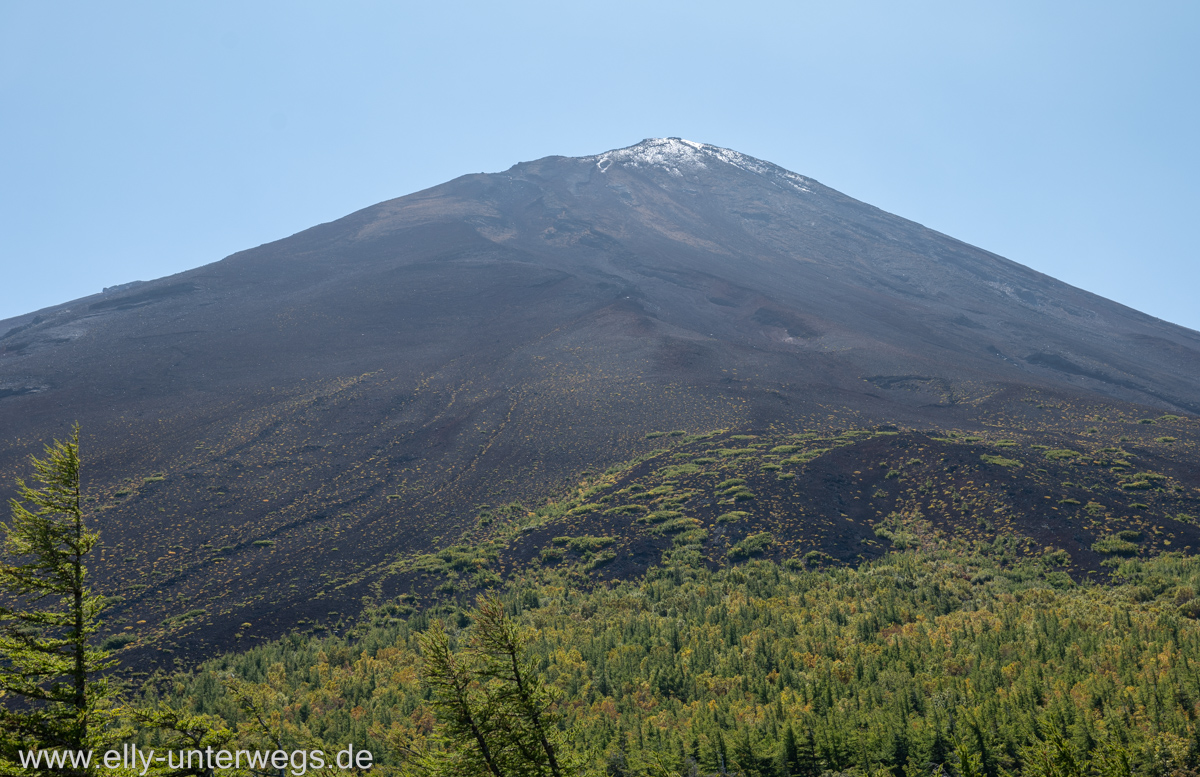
[{"x": 142, "y": 139}]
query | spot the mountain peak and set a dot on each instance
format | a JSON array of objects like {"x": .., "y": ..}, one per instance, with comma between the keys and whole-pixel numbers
[{"x": 679, "y": 157}]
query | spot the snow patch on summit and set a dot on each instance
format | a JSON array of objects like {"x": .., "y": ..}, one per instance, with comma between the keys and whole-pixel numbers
[{"x": 677, "y": 156}]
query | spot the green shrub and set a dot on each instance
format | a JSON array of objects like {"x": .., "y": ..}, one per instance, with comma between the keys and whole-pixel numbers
[
  {"x": 185, "y": 616},
  {"x": 750, "y": 546},
  {"x": 676, "y": 525},
  {"x": 1115, "y": 546},
  {"x": 486, "y": 578},
  {"x": 658, "y": 516},
  {"x": 585, "y": 543},
  {"x": 626, "y": 509},
  {"x": 731, "y": 516},
  {"x": 600, "y": 559},
  {"x": 117, "y": 641},
  {"x": 1000, "y": 461}
]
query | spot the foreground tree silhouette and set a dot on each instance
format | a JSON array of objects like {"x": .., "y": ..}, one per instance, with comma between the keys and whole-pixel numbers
[
  {"x": 48, "y": 616},
  {"x": 496, "y": 715}
]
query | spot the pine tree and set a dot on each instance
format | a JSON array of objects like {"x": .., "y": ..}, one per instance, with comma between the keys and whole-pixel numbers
[
  {"x": 798, "y": 757},
  {"x": 790, "y": 754},
  {"x": 748, "y": 762},
  {"x": 525, "y": 701},
  {"x": 466, "y": 730},
  {"x": 496, "y": 713},
  {"x": 49, "y": 615}
]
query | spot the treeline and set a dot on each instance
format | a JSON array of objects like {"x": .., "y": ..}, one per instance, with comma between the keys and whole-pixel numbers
[
  {"x": 920, "y": 662},
  {"x": 968, "y": 660}
]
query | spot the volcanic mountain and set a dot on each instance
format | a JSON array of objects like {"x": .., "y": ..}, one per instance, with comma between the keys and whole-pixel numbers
[{"x": 265, "y": 435}]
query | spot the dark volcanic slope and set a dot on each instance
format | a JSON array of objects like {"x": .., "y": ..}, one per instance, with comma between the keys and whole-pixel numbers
[{"x": 357, "y": 389}]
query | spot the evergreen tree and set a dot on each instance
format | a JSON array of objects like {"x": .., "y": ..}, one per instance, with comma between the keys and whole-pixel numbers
[
  {"x": 466, "y": 728},
  {"x": 49, "y": 616},
  {"x": 810, "y": 765},
  {"x": 496, "y": 713},
  {"x": 789, "y": 755},
  {"x": 519, "y": 692},
  {"x": 798, "y": 755},
  {"x": 750, "y": 763}
]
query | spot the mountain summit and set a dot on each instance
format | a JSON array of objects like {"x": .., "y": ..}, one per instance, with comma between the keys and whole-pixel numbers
[{"x": 309, "y": 409}]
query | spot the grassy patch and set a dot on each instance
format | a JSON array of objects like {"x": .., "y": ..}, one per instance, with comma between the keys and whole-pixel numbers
[{"x": 804, "y": 458}]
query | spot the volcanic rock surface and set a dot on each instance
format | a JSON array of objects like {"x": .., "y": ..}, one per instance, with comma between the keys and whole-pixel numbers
[{"x": 264, "y": 436}]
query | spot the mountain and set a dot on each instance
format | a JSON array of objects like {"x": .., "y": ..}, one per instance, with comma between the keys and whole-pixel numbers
[{"x": 266, "y": 436}]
